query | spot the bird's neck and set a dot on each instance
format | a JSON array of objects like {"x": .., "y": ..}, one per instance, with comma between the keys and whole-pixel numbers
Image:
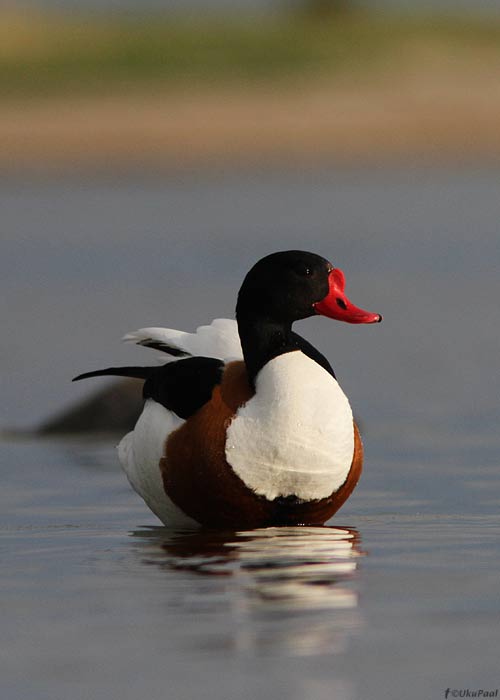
[{"x": 263, "y": 339}]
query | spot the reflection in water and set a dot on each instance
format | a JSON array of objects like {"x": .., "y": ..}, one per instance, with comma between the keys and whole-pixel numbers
[{"x": 289, "y": 589}]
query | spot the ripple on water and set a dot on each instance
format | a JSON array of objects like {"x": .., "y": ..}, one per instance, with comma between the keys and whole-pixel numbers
[{"x": 292, "y": 590}]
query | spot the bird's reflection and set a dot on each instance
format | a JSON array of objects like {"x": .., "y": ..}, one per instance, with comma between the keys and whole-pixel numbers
[{"x": 278, "y": 584}]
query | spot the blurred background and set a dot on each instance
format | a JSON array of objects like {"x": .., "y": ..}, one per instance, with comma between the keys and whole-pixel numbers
[{"x": 152, "y": 151}]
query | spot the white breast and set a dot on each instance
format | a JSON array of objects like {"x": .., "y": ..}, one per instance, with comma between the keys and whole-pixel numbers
[
  {"x": 296, "y": 435},
  {"x": 140, "y": 452}
]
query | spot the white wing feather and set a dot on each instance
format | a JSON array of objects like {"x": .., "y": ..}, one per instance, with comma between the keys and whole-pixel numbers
[{"x": 219, "y": 340}]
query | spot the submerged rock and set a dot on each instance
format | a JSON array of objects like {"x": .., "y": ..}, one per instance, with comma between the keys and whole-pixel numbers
[{"x": 115, "y": 408}]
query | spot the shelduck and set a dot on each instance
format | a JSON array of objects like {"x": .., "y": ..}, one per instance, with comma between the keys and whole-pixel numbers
[{"x": 246, "y": 425}]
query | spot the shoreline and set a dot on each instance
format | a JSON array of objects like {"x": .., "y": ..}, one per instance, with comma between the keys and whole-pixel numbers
[{"x": 441, "y": 116}]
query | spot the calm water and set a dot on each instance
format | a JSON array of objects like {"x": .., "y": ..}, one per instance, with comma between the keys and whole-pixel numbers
[{"x": 398, "y": 597}]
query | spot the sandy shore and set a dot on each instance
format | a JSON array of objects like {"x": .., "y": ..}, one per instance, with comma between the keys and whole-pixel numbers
[{"x": 451, "y": 113}]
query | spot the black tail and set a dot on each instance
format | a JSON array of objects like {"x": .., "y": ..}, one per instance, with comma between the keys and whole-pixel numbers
[
  {"x": 163, "y": 347},
  {"x": 136, "y": 372}
]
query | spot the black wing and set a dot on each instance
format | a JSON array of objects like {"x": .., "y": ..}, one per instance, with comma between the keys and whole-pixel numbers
[{"x": 183, "y": 386}]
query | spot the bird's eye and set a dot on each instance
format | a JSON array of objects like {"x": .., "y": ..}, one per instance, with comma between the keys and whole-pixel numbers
[{"x": 304, "y": 271}]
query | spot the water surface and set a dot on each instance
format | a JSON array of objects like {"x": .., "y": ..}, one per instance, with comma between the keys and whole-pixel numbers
[
  {"x": 398, "y": 596},
  {"x": 390, "y": 600}
]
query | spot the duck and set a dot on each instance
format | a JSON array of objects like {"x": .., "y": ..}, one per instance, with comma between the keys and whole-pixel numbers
[{"x": 244, "y": 424}]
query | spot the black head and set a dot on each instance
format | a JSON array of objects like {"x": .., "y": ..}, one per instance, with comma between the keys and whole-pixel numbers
[{"x": 283, "y": 287}]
